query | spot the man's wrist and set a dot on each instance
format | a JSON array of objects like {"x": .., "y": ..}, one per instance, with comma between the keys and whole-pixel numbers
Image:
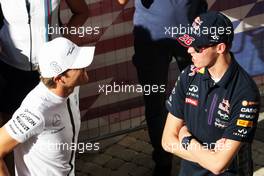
[{"x": 186, "y": 141}]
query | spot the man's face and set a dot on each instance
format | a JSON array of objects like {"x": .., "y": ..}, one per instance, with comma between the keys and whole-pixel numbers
[
  {"x": 205, "y": 57},
  {"x": 75, "y": 77}
]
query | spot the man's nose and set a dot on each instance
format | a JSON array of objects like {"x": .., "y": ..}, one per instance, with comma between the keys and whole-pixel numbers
[{"x": 190, "y": 50}]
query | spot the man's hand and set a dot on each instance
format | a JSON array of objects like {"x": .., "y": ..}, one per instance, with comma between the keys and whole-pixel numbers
[
  {"x": 80, "y": 14},
  {"x": 122, "y": 2}
]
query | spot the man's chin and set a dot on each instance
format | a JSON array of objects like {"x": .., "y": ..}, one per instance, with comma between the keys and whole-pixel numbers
[{"x": 198, "y": 65}]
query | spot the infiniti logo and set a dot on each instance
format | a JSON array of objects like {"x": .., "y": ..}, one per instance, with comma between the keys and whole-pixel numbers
[
  {"x": 243, "y": 131},
  {"x": 193, "y": 88}
]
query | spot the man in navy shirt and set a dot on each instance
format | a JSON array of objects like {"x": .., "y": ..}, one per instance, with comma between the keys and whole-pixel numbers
[
  {"x": 214, "y": 107},
  {"x": 154, "y": 48}
]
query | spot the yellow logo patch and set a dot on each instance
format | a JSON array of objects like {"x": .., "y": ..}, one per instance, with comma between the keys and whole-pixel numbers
[
  {"x": 201, "y": 70},
  {"x": 244, "y": 123}
]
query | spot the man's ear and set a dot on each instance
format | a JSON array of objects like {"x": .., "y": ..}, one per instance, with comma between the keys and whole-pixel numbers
[
  {"x": 59, "y": 79},
  {"x": 221, "y": 48}
]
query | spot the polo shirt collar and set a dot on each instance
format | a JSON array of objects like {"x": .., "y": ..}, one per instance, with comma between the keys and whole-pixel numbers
[
  {"x": 231, "y": 70},
  {"x": 50, "y": 96}
]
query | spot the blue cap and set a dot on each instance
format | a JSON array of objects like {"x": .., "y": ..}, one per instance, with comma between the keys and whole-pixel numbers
[{"x": 208, "y": 29}]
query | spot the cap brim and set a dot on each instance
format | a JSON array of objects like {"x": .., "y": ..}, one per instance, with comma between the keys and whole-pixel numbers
[{"x": 84, "y": 58}]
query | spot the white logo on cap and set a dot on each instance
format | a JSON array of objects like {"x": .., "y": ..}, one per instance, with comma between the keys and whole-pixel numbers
[
  {"x": 215, "y": 37},
  {"x": 55, "y": 67},
  {"x": 71, "y": 50}
]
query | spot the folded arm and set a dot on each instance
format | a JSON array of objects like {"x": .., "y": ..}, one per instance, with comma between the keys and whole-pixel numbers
[
  {"x": 216, "y": 160},
  {"x": 170, "y": 138}
]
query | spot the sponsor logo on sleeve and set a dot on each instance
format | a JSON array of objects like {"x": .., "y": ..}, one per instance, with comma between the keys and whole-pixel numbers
[
  {"x": 247, "y": 116},
  {"x": 249, "y": 103},
  {"x": 28, "y": 119},
  {"x": 244, "y": 123},
  {"x": 17, "y": 127},
  {"x": 31, "y": 113},
  {"x": 191, "y": 101},
  {"x": 241, "y": 133},
  {"x": 249, "y": 110},
  {"x": 22, "y": 124},
  {"x": 12, "y": 129}
]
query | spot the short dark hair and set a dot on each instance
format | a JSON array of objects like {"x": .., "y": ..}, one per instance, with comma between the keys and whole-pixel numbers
[{"x": 49, "y": 82}]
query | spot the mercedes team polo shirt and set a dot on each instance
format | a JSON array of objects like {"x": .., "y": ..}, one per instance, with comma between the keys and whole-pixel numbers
[{"x": 47, "y": 127}]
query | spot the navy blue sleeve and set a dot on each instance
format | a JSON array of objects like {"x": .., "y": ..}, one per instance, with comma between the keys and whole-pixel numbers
[
  {"x": 244, "y": 116},
  {"x": 175, "y": 103}
]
